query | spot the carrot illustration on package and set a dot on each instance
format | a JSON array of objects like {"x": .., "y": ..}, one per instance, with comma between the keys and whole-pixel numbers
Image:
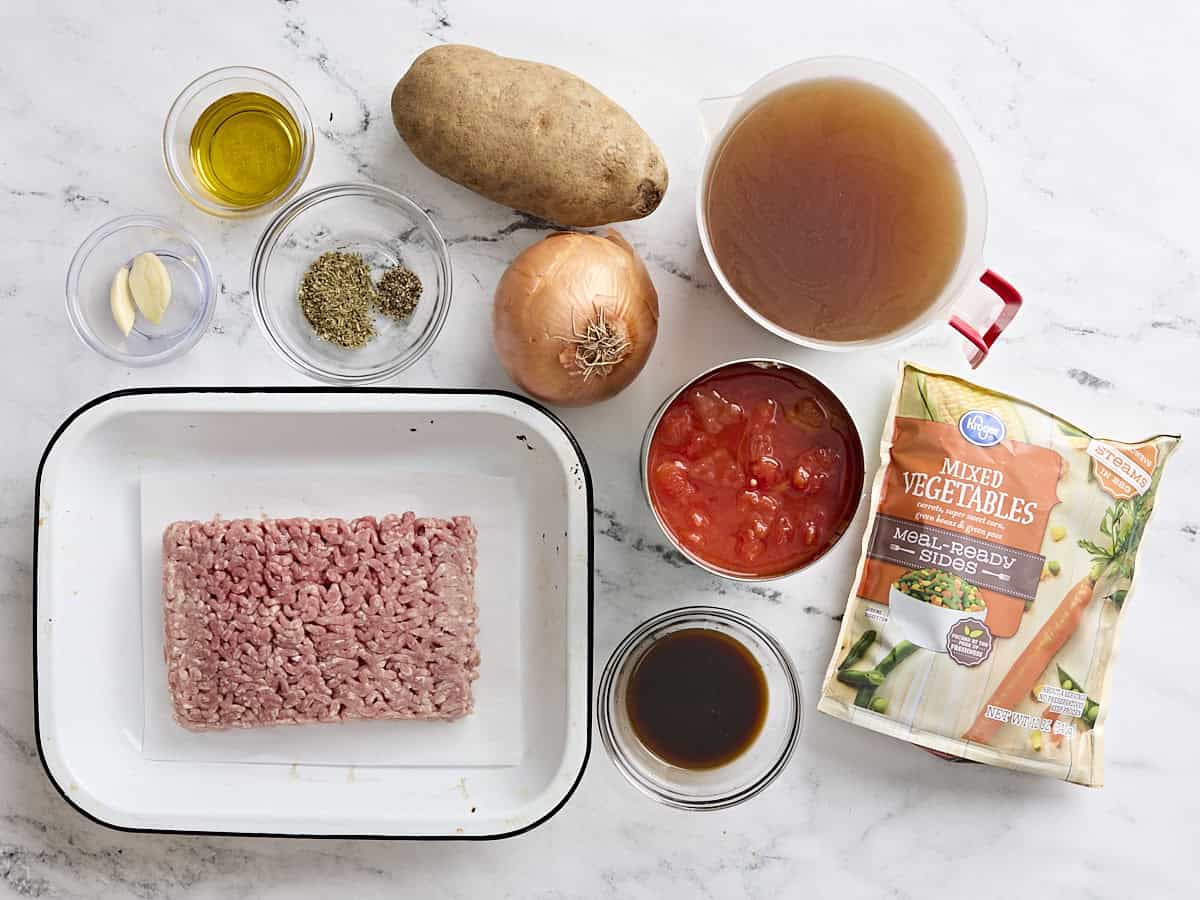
[{"x": 1112, "y": 565}]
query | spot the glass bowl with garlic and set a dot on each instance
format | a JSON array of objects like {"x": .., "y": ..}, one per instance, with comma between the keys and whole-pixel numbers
[{"x": 140, "y": 291}]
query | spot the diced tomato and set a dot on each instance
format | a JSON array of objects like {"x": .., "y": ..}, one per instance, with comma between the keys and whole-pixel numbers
[
  {"x": 762, "y": 504},
  {"x": 676, "y": 427},
  {"x": 813, "y": 470},
  {"x": 715, "y": 412},
  {"x": 764, "y": 412},
  {"x": 760, "y": 444},
  {"x": 807, "y": 413},
  {"x": 699, "y": 520},
  {"x": 810, "y": 533},
  {"x": 698, "y": 445},
  {"x": 783, "y": 531},
  {"x": 704, "y": 402},
  {"x": 749, "y": 547},
  {"x": 731, "y": 474},
  {"x": 759, "y": 526},
  {"x": 716, "y": 468},
  {"x": 672, "y": 479},
  {"x": 766, "y": 470},
  {"x": 704, "y": 470},
  {"x": 821, "y": 460},
  {"x": 801, "y": 479}
]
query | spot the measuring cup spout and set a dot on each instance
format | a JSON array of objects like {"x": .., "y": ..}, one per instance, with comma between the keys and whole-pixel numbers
[{"x": 714, "y": 113}]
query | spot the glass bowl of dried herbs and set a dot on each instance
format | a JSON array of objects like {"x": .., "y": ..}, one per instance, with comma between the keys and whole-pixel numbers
[{"x": 351, "y": 283}]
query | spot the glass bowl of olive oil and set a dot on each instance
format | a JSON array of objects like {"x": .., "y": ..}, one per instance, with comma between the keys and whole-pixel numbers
[{"x": 238, "y": 142}]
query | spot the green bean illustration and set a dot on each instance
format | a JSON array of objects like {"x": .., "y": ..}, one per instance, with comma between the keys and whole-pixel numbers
[
  {"x": 866, "y": 692},
  {"x": 861, "y": 646},
  {"x": 860, "y": 678},
  {"x": 897, "y": 655}
]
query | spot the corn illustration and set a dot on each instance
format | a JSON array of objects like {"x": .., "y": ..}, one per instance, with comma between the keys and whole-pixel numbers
[{"x": 947, "y": 399}]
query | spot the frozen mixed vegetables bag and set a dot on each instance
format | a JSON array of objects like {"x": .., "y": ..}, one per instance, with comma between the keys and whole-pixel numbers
[{"x": 996, "y": 566}]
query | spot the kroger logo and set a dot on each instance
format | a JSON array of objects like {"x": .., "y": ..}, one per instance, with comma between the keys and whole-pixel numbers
[{"x": 983, "y": 429}]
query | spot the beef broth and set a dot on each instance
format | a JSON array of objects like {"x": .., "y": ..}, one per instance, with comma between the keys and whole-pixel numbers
[
  {"x": 835, "y": 211},
  {"x": 697, "y": 699}
]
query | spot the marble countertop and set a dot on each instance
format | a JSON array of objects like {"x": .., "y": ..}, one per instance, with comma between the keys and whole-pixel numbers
[{"x": 1088, "y": 146}]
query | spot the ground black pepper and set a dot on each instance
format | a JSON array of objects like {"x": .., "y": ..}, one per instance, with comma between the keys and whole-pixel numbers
[{"x": 399, "y": 291}]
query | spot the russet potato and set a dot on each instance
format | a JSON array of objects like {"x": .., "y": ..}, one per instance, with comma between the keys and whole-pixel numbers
[{"x": 529, "y": 136}]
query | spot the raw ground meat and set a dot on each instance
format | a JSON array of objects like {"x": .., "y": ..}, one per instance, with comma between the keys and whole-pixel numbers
[{"x": 287, "y": 621}]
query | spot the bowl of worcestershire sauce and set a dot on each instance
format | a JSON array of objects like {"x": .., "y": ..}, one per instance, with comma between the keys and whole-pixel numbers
[{"x": 699, "y": 708}]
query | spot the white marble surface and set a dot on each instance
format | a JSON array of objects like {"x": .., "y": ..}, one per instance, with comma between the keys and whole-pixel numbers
[{"x": 1087, "y": 133}]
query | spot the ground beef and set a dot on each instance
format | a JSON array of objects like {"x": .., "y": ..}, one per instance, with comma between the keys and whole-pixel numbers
[{"x": 286, "y": 621}]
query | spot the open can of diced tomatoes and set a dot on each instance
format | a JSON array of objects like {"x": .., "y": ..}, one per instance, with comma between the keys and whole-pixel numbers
[{"x": 753, "y": 469}]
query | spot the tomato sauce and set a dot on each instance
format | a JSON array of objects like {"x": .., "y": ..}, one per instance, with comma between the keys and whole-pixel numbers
[{"x": 756, "y": 471}]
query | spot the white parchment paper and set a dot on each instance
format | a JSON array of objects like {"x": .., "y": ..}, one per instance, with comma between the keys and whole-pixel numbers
[{"x": 491, "y": 736}]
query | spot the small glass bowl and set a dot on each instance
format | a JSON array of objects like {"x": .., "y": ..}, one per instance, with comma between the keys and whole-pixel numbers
[
  {"x": 191, "y": 104},
  {"x": 702, "y": 789},
  {"x": 90, "y": 276},
  {"x": 386, "y": 229}
]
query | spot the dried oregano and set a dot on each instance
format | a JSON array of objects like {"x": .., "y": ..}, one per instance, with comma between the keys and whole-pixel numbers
[{"x": 336, "y": 296}]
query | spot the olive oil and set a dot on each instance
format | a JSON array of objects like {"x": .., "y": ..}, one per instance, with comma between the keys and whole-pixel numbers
[{"x": 245, "y": 148}]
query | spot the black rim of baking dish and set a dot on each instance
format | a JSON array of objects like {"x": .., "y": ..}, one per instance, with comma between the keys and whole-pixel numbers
[{"x": 313, "y": 389}]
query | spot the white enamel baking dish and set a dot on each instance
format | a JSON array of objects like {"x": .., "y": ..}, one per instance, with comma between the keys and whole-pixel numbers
[{"x": 87, "y": 637}]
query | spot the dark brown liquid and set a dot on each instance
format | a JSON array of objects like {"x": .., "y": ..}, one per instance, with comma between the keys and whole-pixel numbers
[
  {"x": 835, "y": 210},
  {"x": 697, "y": 699}
]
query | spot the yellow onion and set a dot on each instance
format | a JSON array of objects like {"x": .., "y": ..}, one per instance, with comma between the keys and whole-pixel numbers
[{"x": 575, "y": 318}]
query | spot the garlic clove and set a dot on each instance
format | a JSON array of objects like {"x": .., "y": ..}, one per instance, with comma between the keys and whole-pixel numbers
[
  {"x": 150, "y": 284},
  {"x": 121, "y": 301}
]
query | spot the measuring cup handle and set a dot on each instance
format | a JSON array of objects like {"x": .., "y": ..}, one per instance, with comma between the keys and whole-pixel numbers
[{"x": 980, "y": 340}]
